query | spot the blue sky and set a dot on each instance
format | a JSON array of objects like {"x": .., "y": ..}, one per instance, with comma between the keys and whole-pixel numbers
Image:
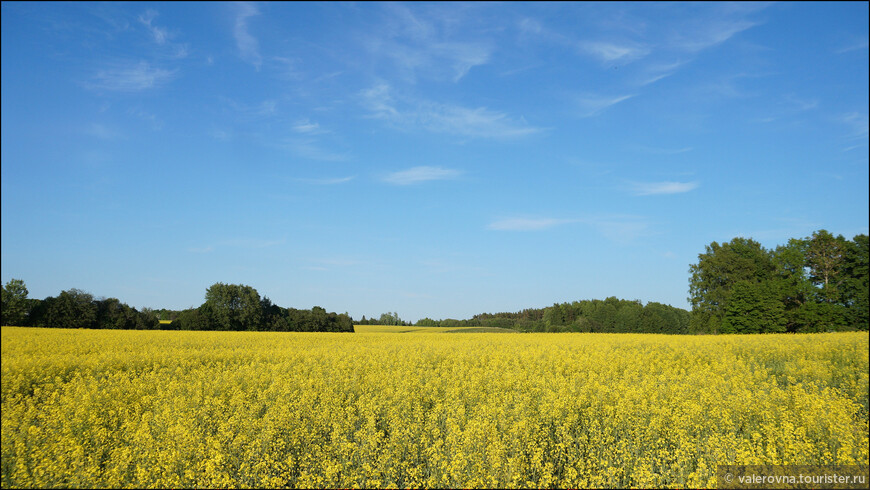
[{"x": 437, "y": 160}]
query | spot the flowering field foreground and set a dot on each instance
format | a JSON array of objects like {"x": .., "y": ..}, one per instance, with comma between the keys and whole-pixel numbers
[{"x": 234, "y": 409}]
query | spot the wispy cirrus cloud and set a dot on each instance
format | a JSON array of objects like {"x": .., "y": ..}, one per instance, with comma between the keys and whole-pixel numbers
[
  {"x": 476, "y": 122},
  {"x": 130, "y": 77},
  {"x": 705, "y": 33},
  {"x": 799, "y": 103},
  {"x": 480, "y": 122},
  {"x": 249, "y": 48},
  {"x": 379, "y": 100},
  {"x": 594, "y": 104},
  {"x": 658, "y": 48},
  {"x": 653, "y": 72},
  {"x": 618, "y": 228},
  {"x": 859, "y": 129},
  {"x": 661, "y": 188},
  {"x": 305, "y": 126},
  {"x": 711, "y": 26},
  {"x": 857, "y": 44},
  {"x": 426, "y": 45},
  {"x": 313, "y": 142},
  {"x": 610, "y": 52},
  {"x": 417, "y": 175},
  {"x": 332, "y": 181},
  {"x": 858, "y": 122},
  {"x": 162, "y": 36},
  {"x": 159, "y": 34}
]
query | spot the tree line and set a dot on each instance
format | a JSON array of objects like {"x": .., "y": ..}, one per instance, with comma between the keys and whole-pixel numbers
[
  {"x": 610, "y": 315},
  {"x": 812, "y": 284},
  {"x": 72, "y": 308},
  {"x": 227, "y": 307}
]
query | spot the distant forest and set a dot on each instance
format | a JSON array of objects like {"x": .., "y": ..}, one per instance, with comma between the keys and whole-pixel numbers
[
  {"x": 813, "y": 284},
  {"x": 611, "y": 315}
]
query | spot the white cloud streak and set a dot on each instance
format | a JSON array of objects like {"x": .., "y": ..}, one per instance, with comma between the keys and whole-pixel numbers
[
  {"x": 159, "y": 34},
  {"x": 610, "y": 52},
  {"x": 657, "y": 71},
  {"x": 308, "y": 127},
  {"x": 592, "y": 105},
  {"x": 705, "y": 34},
  {"x": 860, "y": 44},
  {"x": 435, "y": 117},
  {"x": 335, "y": 181},
  {"x": 131, "y": 78},
  {"x": 245, "y": 42},
  {"x": 617, "y": 228},
  {"x": 860, "y": 129},
  {"x": 417, "y": 175},
  {"x": 162, "y": 36},
  {"x": 426, "y": 45},
  {"x": 660, "y": 188}
]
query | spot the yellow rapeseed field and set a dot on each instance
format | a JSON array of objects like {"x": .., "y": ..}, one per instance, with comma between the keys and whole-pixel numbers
[{"x": 381, "y": 409}]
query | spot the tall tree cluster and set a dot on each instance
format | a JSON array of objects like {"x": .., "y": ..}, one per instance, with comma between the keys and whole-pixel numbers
[
  {"x": 388, "y": 318},
  {"x": 239, "y": 307},
  {"x": 813, "y": 284},
  {"x": 15, "y": 305}
]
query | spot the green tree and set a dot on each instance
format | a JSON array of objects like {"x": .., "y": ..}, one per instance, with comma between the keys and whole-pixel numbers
[
  {"x": 554, "y": 316},
  {"x": 718, "y": 269},
  {"x": 825, "y": 255},
  {"x": 233, "y": 307},
  {"x": 73, "y": 308},
  {"x": 660, "y": 318},
  {"x": 797, "y": 292},
  {"x": 147, "y": 319},
  {"x": 628, "y": 316},
  {"x": 390, "y": 319},
  {"x": 14, "y": 304},
  {"x": 754, "y": 307},
  {"x": 856, "y": 284},
  {"x": 111, "y": 314},
  {"x": 319, "y": 320},
  {"x": 192, "y": 319}
]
